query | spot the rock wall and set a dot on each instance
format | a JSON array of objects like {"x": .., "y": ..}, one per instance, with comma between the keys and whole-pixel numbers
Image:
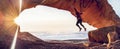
[
  {"x": 105, "y": 34},
  {"x": 97, "y": 13}
]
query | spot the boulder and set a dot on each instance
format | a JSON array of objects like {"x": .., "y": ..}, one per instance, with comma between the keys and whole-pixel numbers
[
  {"x": 104, "y": 35},
  {"x": 99, "y": 47},
  {"x": 114, "y": 45},
  {"x": 91, "y": 44},
  {"x": 95, "y": 14}
]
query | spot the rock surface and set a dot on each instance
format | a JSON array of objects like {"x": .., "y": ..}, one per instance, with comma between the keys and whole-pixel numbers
[
  {"x": 101, "y": 35},
  {"x": 97, "y": 13},
  {"x": 93, "y": 10},
  {"x": 28, "y": 41},
  {"x": 114, "y": 45},
  {"x": 31, "y": 42}
]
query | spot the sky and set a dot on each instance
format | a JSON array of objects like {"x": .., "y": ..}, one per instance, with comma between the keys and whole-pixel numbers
[
  {"x": 116, "y": 5},
  {"x": 52, "y": 23}
]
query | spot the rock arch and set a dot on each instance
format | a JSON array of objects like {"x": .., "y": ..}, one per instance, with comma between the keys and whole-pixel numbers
[
  {"x": 99, "y": 10},
  {"x": 97, "y": 13}
]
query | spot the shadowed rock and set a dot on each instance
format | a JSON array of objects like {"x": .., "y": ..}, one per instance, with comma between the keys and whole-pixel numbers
[
  {"x": 97, "y": 13},
  {"x": 105, "y": 34},
  {"x": 114, "y": 45},
  {"x": 28, "y": 41},
  {"x": 93, "y": 10},
  {"x": 99, "y": 10}
]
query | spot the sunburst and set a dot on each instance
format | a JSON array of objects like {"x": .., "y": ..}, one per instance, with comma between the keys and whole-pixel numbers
[
  {"x": 14, "y": 39},
  {"x": 16, "y": 33},
  {"x": 20, "y": 5}
]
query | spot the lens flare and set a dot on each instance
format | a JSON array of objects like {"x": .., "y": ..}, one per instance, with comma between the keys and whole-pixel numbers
[
  {"x": 18, "y": 21},
  {"x": 15, "y": 39},
  {"x": 17, "y": 30},
  {"x": 20, "y": 4}
]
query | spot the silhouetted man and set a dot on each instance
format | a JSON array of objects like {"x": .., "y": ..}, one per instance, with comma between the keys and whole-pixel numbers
[{"x": 79, "y": 20}]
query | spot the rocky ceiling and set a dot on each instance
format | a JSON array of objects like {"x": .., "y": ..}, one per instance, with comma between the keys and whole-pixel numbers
[{"x": 97, "y": 13}]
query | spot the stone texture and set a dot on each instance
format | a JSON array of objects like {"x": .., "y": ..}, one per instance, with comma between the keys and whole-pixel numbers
[
  {"x": 97, "y": 13},
  {"x": 93, "y": 10},
  {"x": 28, "y": 41},
  {"x": 114, "y": 45},
  {"x": 91, "y": 44},
  {"x": 101, "y": 35}
]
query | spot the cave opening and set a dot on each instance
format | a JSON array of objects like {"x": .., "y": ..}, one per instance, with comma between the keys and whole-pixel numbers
[{"x": 50, "y": 23}]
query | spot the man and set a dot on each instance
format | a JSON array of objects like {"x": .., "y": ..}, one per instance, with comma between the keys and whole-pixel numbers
[{"x": 79, "y": 20}]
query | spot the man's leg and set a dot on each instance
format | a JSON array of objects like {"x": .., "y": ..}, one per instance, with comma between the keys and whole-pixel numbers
[
  {"x": 77, "y": 24},
  {"x": 82, "y": 26}
]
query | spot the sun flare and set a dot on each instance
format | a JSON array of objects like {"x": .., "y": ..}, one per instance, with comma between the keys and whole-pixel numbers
[
  {"x": 16, "y": 33},
  {"x": 20, "y": 5},
  {"x": 17, "y": 21},
  {"x": 14, "y": 39}
]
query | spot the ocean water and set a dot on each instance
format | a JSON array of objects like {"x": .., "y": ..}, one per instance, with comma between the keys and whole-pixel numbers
[{"x": 61, "y": 36}]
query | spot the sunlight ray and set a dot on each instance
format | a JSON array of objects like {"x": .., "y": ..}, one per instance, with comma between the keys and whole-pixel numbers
[
  {"x": 16, "y": 33},
  {"x": 14, "y": 39},
  {"x": 20, "y": 4}
]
